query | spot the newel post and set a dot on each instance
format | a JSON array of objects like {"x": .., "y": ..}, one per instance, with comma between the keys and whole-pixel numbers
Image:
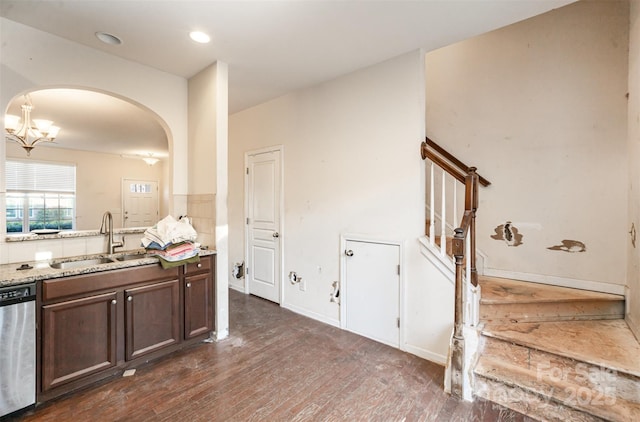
[{"x": 457, "y": 342}]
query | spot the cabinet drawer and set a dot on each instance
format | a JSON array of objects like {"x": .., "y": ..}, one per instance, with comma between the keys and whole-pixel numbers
[
  {"x": 57, "y": 288},
  {"x": 199, "y": 267}
]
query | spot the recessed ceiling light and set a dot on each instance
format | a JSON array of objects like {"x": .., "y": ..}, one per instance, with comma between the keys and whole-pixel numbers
[
  {"x": 108, "y": 38},
  {"x": 200, "y": 37}
]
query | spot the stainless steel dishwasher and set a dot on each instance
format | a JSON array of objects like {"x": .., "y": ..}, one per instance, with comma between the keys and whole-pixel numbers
[{"x": 17, "y": 348}]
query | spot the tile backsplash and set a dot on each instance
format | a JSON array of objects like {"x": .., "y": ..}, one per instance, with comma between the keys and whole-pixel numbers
[{"x": 201, "y": 209}]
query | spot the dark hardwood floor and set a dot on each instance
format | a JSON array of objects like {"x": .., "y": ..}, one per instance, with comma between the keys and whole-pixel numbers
[{"x": 276, "y": 366}]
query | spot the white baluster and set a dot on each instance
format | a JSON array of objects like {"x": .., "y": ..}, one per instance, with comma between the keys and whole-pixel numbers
[
  {"x": 443, "y": 216},
  {"x": 456, "y": 222},
  {"x": 432, "y": 209}
]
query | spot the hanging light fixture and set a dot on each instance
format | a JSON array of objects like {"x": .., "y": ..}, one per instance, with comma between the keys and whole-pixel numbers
[
  {"x": 151, "y": 160},
  {"x": 29, "y": 132}
]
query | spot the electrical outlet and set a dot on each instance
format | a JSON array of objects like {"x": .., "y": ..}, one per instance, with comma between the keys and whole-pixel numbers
[{"x": 302, "y": 285}]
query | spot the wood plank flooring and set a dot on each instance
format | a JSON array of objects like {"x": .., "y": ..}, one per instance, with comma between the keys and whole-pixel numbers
[{"x": 276, "y": 366}]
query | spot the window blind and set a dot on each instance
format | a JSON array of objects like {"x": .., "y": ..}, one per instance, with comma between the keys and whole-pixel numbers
[{"x": 38, "y": 176}]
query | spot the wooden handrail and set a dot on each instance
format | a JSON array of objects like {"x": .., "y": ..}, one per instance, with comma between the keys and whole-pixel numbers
[
  {"x": 463, "y": 168},
  {"x": 453, "y": 171}
]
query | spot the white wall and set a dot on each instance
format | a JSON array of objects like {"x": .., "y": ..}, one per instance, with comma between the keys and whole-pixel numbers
[
  {"x": 540, "y": 108},
  {"x": 32, "y": 59},
  {"x": 633, "y": 268},
  {"x": 351, "y": 166}
]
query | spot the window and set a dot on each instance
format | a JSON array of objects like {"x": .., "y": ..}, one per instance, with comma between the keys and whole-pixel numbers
[{"x": 40, "y": 195}]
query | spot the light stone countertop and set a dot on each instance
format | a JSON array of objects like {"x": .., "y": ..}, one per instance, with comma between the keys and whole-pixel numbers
[
  {"x": 10, "y": 275},
  {"x": 66, "y": 234}
]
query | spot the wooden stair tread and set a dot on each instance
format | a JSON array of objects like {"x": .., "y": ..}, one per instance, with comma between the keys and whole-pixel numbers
[
  {"x": 560, "y": 390},
  {"x": 505, "y": 291},
  {"x": 609, "y": 343}
]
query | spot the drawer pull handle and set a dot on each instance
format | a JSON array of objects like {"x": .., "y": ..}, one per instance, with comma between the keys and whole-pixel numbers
[
  {"x": 199, "y": 265},
  {"x": 188, "y": 284},
  {"x": 113, "y": 302},
  {"x": 130, "y": 298}
]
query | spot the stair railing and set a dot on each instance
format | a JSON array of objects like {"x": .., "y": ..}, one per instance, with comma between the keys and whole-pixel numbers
[
  {"x": 445, "y": 176},
  {"x": 463, "y": 244}
]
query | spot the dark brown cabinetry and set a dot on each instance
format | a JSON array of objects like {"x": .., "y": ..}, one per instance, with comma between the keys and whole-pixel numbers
[
  {"x": 95, "y": 325},
  {"x": 198, "y": 299},
  {"x": 152, "y": 318},
  {"x": 78, "y": 338}
]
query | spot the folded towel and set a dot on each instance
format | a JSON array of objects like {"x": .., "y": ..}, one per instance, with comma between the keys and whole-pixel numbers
[
  {"x": 172, "y": 264},
  {"x": 168, "y": 231}
]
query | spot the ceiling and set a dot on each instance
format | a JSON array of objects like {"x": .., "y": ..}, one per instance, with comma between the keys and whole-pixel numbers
[
  {"x": 97, "y": 122},
  {"x": 271, "y": 47}
]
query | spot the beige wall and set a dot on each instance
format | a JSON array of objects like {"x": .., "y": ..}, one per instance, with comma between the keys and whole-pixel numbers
[
  {"x": 633, "y": 294},
  {"x": 202, "y": 154},
  {"x": 540, "y": 108},
  {"x": 351, "y": 166},
  {"x": 32, "y": 59},
  {"x": 98, "y": 181},
  {"x": 207, "y": 174}
]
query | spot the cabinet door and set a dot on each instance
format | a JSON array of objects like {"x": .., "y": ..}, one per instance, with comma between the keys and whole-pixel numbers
[
  {"x": 198, "y": 305},
  {"x": 78, "y": 339},
  {"x": 152, "y": 318}
]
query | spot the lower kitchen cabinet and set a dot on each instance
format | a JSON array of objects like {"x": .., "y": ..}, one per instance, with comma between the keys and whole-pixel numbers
[
  {"x": 93, "y": 326},
  {"x": 78, "y": 338},
  {"x": 152, "y": 318},
  {"x": 198, "y": 298}
]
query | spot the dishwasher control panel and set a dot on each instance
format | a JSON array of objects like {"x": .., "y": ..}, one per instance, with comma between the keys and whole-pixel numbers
[{"x": 17, "y": 293}]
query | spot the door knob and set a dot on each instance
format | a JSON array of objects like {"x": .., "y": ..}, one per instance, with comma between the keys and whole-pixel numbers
[
  {"x": 348, "y": 252},
  {"x": 276, "y": 234}
]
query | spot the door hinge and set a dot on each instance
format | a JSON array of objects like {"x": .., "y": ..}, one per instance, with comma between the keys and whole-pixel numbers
[
  {"x": 247, "y": 170},
  {"x": 247, "y": 220},
  {"x": 398, "y": 322},
  {"x": 398, "y": 269},
  {"x": 247, "y": 270}
]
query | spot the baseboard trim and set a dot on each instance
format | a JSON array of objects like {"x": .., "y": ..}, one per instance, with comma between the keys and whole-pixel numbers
[
  {"x": 237, "y": 288},
  {"x": 426, "y": 354},
  {"x": 312, "y": 315},
  {"x": 596, "y": 286}
]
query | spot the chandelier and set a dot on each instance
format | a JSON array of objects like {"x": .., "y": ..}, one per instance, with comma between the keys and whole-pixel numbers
[
  {"x": 151, "y": 160},
  {"x": 29, "y": 132}
]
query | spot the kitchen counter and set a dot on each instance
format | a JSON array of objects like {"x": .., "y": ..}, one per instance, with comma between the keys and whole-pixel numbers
[
  {"x": 68, "y": 234},
  {"x": 41, "y": 270}
]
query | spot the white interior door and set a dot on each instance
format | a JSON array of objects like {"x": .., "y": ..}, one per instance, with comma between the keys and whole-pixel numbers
[
  {"x": 371, "y": 295},
  {"x": 140, "y": 206},
  {"x": 263, "y": 224}
]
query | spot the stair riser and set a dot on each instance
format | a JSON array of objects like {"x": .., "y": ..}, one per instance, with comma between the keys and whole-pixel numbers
[
  {"x": 543, "y": 312},
  {"x": 584, "y": 380},
  {"x": 528, "y": 403}
]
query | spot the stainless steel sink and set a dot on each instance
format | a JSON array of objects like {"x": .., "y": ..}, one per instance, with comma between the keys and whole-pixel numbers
[
  {"x": 80, "y": 263},
  {"x": 131, "y": 256}
]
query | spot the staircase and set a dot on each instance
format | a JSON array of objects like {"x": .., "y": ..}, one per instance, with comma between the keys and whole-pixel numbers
[
  {"x": 557, "y": 354},
  {"x": 549, "y": 352}
]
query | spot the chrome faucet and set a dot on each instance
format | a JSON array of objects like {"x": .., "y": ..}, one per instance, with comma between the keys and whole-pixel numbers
[{"x": 107, "y": 228}]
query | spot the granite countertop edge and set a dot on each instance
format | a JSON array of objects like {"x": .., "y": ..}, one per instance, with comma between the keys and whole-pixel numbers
[
  {"x": 10, "y": 275},
  {"x": 68, "y": 234}
]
